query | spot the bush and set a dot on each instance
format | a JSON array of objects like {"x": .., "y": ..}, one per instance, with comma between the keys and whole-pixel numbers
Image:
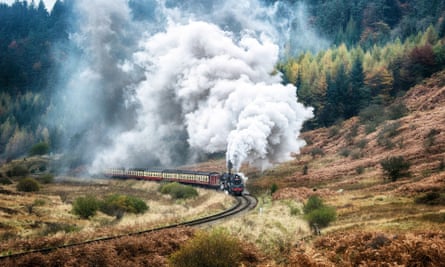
[
  {"x": 360, "y": 170},
  {"x": 372, "y": 116},
  {"x": 313, "y": 203},
  {"x": 46, "y": 179},
  {"x": 18, "y": 170},
  {"x": 345, "y": 152},
  {"x": 395, "y": 167},
  {"x": 5, "y": 181},
  {"x": 397, "y": 111},
  {"x": 431, "y": 198},
  {"x": 116, "y": 205},
  {"x": 28, "y": 185},
  {"x": 389, "y": 131},
  {"x": 55, "y": 227},
  {"x": 273, "y": 188},
  {"x": 362, "y": 143},
  {"x": 86, "y": 206},
  {"x": 178, "y": 191},
  {"x": 294, "y": 211},
  {"x": 216, "y": 248},
  {"x": 41, "y": 148},
  {"x": 317, "y": 213},
  {"x": 322, "y": 216},
  {"x": 317, "y": 152}
]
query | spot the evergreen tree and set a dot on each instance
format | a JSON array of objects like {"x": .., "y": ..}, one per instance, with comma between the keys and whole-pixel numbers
[{"x": 357, "y": 93}]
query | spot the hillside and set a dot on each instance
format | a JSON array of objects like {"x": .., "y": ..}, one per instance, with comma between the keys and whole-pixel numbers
[
  {"x": 335, "y": 154},
  {"x": 378, "y": 220}
]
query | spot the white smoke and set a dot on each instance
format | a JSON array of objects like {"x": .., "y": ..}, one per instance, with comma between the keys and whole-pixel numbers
[
  {"x": 166, "y": 82},
  {"x": 217, "y": 93}
]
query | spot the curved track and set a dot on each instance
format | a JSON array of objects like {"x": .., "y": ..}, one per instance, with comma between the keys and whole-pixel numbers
[{"x": 244, "y": 204}]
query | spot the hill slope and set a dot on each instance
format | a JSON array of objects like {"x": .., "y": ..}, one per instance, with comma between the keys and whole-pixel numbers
[{"x": 379, "y": 220}]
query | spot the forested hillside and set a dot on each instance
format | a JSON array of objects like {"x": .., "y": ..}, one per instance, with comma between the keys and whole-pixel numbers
[
  {"x": 379, "y": 49},
  {"x": 31, "y": 47}
]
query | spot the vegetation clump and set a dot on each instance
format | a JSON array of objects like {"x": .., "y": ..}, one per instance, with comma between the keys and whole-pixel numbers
[
  {"x": 17, "y": 171},
  {"x": 28, "y": 185},
  {"x": 116, "y": 205},
  {"x": 46, "y": 178},
  {"x": 317, "y": 213},
  {"x": 113, "y": 205},
  {"x": 5, "y": 181},
  {"x": 215, "y": 248},
  {"x": 41, "y": 148},
  {"x": 86, "y": 206},
  {"x": 178, "y": 191},
  {"x": 395, "y": 167},
  {"x": 431, "y": 198},
  {"x": 273, "y": 188}
]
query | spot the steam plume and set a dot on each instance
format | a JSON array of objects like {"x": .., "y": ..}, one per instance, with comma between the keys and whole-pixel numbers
[{"x": 190, "y": 79}]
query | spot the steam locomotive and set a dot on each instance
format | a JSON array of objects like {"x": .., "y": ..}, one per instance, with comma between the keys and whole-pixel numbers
[{"x": 230, "y": 182}]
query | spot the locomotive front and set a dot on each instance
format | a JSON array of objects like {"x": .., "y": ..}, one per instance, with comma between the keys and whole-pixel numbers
[{"x": 233, "y": 183}]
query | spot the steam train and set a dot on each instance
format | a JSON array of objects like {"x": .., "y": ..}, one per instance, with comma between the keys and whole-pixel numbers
[{"x": 230, "y": 182}]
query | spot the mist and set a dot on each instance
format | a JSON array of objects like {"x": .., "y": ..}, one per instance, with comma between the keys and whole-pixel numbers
[{"x": 163, "y": 83}]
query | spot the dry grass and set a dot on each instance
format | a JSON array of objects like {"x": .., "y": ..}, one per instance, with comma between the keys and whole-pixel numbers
[
  {"x": 46, "y": 215},
  {"x": 271, "y": 227}
]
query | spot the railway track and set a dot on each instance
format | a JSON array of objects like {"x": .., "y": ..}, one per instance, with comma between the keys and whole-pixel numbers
[{"x": 244, "y": 204}]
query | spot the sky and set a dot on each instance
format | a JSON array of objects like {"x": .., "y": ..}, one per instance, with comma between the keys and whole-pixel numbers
[{"x": 48, "y": 3}]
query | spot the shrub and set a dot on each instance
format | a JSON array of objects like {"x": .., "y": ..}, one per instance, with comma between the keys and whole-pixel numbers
[
  {"x": 316, "y": 151},
  {"x": 216, "y": 248},
  {"x": 431, "y": 198},
  {"x": 397, "y": 111},
  {"x": 322, "y": 216},
  {"x": 53, "y": 228},
  {"x": 395, "y": 167},
  {"x": 389, "y": 131},
  {"x": 86, "y": 206},
  {"x": 362, "y": 143},
  {"x": 345, "y": 152},
  {"x": 273, "y": 188},
  {"x": 360, "y": 170},
  {"x": 5, "y": 181},
  {"x": 41, "y": 148},
  {"x": 313, "y": 203},
  {"x": 46, "y": 179},
  {"x": 18, "y": 170},
  {"x": 294, "y": 211},
  {"x": 372, "y": 116},
  {"x": 178, "y": 191},
  {"x": 334, "y": 131},
  {"x": 28, "y": 185},
  {"x": 316, "y": 212},
  {"x": 116, "y": 205}
]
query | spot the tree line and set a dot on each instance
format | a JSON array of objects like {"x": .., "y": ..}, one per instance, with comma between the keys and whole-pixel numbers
[
  {"x": 31, "y": 49},
  {"x": 342, "y": 81}
]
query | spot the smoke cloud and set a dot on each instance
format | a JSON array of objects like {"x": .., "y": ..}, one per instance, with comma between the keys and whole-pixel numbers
[{"x": 161, "y": 83}]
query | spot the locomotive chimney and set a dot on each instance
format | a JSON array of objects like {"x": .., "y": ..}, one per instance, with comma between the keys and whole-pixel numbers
[{"x": 229, "y": 166}]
